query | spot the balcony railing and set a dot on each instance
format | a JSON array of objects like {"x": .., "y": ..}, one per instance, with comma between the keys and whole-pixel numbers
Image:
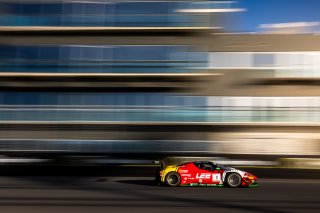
[
  {"x": 108, "y": 14},
  {"x": 101, "y": 59}
]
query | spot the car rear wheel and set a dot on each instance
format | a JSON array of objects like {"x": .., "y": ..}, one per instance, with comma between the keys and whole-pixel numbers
[
  {"x": 233, "y": 180},
  {"x": 173, "y": 179}
]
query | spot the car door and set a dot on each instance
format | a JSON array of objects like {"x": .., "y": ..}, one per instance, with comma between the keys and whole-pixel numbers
[
  {"x": 202, "y": 173},
  {"x": 208, "y": 173},
  {"x": 216, "y": 174}
]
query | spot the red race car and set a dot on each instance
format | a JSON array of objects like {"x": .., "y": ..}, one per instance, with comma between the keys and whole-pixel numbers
[{"x": 204, "y": 173}]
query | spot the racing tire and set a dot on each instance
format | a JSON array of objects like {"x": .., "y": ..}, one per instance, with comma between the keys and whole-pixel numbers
[
  {"x": 233, "y": 180},
  {"x": 173, "y": 179}
]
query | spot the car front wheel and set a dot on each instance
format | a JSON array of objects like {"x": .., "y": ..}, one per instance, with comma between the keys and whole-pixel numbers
[{"x": 233, "y": 180}]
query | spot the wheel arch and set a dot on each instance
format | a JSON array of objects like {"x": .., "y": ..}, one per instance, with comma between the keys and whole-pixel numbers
[
  {"x": 226, "y": 173},
  {"x": 167, "y": 170}
]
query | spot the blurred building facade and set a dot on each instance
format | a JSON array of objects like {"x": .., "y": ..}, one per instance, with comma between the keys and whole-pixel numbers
[{"x": 153, "y": 79}]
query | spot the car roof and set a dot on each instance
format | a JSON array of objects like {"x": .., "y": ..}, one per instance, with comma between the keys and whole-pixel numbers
[{"x": 204, "y": 161}]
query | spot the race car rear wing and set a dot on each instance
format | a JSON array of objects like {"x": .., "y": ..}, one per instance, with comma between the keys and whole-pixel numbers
[{"x": 159, "y": 162}]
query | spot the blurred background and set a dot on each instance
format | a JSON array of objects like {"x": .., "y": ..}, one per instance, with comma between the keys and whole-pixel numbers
[
  {"x": 104, "y": 87},
  {"x": 128, "y": 82}
]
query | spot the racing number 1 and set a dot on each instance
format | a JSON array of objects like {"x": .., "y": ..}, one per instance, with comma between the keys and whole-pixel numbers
[{"x": 215, "y": 177}]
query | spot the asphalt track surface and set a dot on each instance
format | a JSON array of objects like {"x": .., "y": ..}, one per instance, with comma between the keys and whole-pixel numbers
[{"x": 96, "y": 194}]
